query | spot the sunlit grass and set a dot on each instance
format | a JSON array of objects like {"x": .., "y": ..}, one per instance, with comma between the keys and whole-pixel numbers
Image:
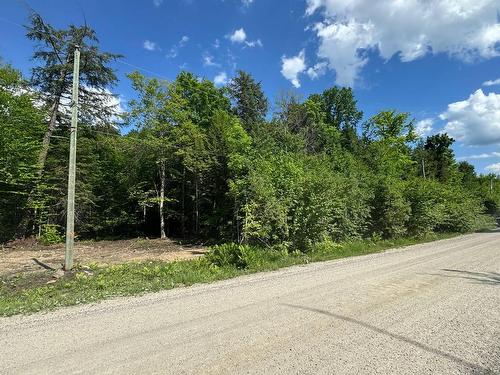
[{"x": 28, "y": 293}]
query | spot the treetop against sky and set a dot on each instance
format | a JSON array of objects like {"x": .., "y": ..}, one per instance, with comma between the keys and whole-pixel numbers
[{"x": 437, "y": 60}]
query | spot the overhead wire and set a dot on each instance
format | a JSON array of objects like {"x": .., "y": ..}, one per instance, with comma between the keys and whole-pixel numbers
[{"x": 120, "y": 60}]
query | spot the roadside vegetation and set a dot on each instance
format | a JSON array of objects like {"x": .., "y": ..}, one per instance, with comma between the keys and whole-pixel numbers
[
  {"x": 32, "y": 292},
  {"x": 213, "y": 165}
]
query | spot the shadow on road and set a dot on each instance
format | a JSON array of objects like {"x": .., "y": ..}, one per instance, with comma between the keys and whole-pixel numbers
[
  {"x": 489, "y": 278},
  {"x": 476, "y": 369}
]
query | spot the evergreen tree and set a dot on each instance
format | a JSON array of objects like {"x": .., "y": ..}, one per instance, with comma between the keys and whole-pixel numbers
[
  {"x": 250, "y": 102},
  {"x": 53, "y": 76}
]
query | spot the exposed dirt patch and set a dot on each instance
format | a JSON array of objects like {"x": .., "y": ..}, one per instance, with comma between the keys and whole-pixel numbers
[{"x": 29, "y": 256}]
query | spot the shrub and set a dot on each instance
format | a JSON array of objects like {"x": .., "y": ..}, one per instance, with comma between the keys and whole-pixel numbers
[
  {"x": 302, "y": 200},
  {"x": 390, "y": 210},
  {"x": 50, "y": 234},
  {"x": 485, "y": 222},
  {"x": 229, "y": 255},
  {"x": 424, "y": 199}
]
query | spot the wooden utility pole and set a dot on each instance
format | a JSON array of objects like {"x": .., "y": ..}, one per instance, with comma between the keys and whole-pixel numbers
[{"x": 70, "y": 221}]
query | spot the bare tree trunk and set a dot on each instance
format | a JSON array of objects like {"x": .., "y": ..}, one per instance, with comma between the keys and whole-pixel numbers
[
  {"x": 162, "y": 198},
  {"x": 42, "y": 156}
]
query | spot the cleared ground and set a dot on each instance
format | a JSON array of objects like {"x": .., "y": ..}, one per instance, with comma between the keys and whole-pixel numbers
[
  {"x": 29, "y": 256},
  {"x": 426, "y": 309}
]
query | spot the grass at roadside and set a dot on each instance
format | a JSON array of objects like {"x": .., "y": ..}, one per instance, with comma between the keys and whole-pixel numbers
[{"x": 28, "y": 293}]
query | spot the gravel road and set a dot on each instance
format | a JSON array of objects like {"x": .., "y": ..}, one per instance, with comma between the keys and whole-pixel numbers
[{"x": 425, "y": 309}]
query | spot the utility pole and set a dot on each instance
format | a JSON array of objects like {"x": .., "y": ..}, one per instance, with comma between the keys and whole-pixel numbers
[{"x": 70, "y": 220}]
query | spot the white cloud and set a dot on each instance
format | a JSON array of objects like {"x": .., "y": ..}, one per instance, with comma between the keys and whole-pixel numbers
[
  {"x": 254, "y": 43},
  {"x": 183, "y": 41},
  {"x": 220, "y": 79},
  {"x": 114, "y": 105},
  {"x": 492, "y": 82},
  {"x": 317, "y": 70},
  {"x": 424, "y": 127},
  {"x": 247, "y": 3},
  {"x": 216, "y": 44},
  {"x": 475, "y": 121},
  {"x": 409, "y": 29},
  {"x": 208, "y": 60},
  {"x": 238, "y": 36},
  {"x": 493, "y": 168},
  {"x": 293, "y": 66},
  {"x": 489, "y": 155},
  {"x": 174, "y": 51},
  {"x": 149, "y": 45},
  {"x": 157, "y": 3}
]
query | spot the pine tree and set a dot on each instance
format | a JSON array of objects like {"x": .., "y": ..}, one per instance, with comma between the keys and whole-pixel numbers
[{"x": 250, "y": 102}]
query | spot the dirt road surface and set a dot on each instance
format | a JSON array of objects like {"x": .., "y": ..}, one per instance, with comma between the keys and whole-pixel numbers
[{"x": 425, "y": 309}]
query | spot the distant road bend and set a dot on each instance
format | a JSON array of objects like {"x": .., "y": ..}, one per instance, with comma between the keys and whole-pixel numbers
[{"x": 425, "y": 309}]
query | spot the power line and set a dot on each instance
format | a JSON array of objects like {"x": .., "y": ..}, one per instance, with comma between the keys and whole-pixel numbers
[
  {"x": 119, "y": 60},
  {"x": 143, "y": 69}
]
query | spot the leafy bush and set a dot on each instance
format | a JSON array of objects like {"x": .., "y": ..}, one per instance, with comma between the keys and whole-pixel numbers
[
  {"x": 391, "y": 211},
  {"x": 229, "y": 255},
  {"x": 485, "y": 222},
  {"x": 302, "y": 200},
  {"x": 424, "y": 198},
  {"x": 325, "y": 247},
  {"x": 50, "y": 234}
]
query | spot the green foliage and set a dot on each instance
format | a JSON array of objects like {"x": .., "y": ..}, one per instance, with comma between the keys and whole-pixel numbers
[
  {"x": 250, "y": 102},
  {"x": 54, "y": 53},
  {"x": 441, "y": 208},
  {"x": 298, "y": 200},
  {"x": 390, "y": 210},
  {"x": 28, "y": 293},
  {"x": 50, "y": 234},
  {"x": 439, "y": 156},
  {"x": 229, "y": 255},
  {"x": 21, "y": 130},
  {"x": 204, "y": 163}
]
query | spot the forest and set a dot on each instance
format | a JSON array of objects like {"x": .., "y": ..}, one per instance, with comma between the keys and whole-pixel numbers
[{"x": 193, "y": 161}]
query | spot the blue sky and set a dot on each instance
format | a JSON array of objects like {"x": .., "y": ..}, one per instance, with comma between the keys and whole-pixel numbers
[{"x": 427, "y": 58}]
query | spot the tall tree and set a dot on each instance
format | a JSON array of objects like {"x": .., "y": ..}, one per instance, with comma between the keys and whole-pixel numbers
[
  {"x": 21, "y": 127},
  {"x": 201, "y": 97},
  {"x": 53, "y": 76},
  {"x": 251, "y": 104},
  {"x": 440, "y": 156},
  {"x": 342, "y": 112},
  {"x": 157, "y": 112},
  {"x": 389, "y": 134}
]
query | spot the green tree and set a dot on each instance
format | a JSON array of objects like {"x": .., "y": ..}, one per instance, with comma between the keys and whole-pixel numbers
[
  {"x": 157, "y": 112},
  {"x": 21, "y": 128},
  {"x": 388, "y": 134},
  {"x": 250, "y": 102},
  {"x": 343, "y": 114},
  {"x": 53, "y": 76},
  {"x": 440, "y": 157}
]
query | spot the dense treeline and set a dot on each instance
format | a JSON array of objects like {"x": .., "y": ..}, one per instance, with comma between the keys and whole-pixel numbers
[{"x": 214, "y": 164}]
